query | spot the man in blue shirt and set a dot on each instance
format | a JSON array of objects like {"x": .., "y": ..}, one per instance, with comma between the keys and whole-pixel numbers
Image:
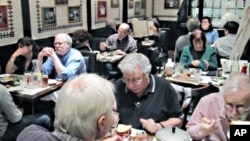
[{"x": 66, "y": 61}]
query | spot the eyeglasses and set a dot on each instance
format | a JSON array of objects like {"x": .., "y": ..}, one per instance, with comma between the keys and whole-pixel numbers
[
  {"x": 59, "y": 43},
  {"x": 240, "y": 109},
  {"x": 123, "y": 32},
  {"x": 133, "y": 80}
]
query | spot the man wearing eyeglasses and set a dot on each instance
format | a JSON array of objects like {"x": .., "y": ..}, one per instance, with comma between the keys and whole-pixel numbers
[
  {"x": 63, "y": 60},
  {"x": 145, "y": 101},
  {"x": 211, "y": 117}
]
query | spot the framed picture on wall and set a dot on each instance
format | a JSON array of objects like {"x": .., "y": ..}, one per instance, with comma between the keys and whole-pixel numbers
[
  {"x": 48, "y": 16},
  {"x": 102, "y": 9},
  {"x": 114, "y": 3},
  {"x": 131, "y": 4},
  {"x": 3, "y": 17},
  {"x": 171, "y": 4},
  {"x": 137, "y": 8},
  {"x": 61, "y": 1},
  {"x": 74, "y": 14}
]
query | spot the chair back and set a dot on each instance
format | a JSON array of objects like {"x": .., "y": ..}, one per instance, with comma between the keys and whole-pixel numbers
[
  {"x": 198, "y": 93},
  {"x": 90, "y": 61}
]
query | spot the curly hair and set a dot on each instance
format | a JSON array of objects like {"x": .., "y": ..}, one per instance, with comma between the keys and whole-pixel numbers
[{"x": 81, "y": 35}]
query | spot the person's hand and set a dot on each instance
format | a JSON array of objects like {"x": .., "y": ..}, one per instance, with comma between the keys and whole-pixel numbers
[
  {"x": 119, "y": 52},
  {"x": 206, "y": 63},
  {"x": 208, "y": 126},
  {"x": 103, "y": 46},
  {"x": 47, "y": 51},
  {"x": 112, "y": 138},
  {"x": 150, "y": 125},
  {"x": 186, "y": 103},
  {"x": 195, "y": 63}
]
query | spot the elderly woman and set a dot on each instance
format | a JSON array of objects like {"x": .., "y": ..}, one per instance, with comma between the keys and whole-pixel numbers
[
  {"x": 21, "y": 59},
  {"x": 198, "y": 54}
]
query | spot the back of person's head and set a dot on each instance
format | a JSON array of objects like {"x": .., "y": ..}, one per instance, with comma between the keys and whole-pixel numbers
[
  {"x": 237, "y": 82},
  {"x": 65, "y": 37},
  {"x": 192, "y": 24},
  {"x": 197, "y": 35},
  {"x": 82, "y": 102},
  {"x": 231, "y": 27},
  {"x": 210, "y": 24},
  {"x": 81, "y": 35},
  {"x": 134, "y": 60}
]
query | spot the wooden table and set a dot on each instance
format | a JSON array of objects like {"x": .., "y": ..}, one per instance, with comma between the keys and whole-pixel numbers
[{"x": 33, "y": 94}]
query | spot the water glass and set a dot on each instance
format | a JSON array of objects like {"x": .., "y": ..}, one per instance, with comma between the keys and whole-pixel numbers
[{"x": 28, "y": 79}]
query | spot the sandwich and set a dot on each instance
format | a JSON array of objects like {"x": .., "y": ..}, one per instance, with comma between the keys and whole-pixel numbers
[{"x": 123, "y": 130}]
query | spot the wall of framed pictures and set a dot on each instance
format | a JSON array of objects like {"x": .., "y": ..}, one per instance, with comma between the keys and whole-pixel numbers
[
  {"x": 105, "y": 9},
  {"x": 48, "y": 17},
  {"x": 10, "y": 28}
]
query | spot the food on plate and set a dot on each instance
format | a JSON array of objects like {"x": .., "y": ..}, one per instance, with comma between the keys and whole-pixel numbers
[{"x": 123, "y": 130}]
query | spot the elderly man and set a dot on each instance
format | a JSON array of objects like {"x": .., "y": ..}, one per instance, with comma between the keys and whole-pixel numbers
[
  {"x": 78, "y": 116},
  {"x": 121, "y": 43},
  {"x": 210, "y": 119},
  {"x": 145, "y": 101},
  {"x": 65, "y": 60}
]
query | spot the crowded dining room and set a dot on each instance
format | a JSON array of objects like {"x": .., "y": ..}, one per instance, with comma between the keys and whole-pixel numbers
[{"x": 124, "y": 70}]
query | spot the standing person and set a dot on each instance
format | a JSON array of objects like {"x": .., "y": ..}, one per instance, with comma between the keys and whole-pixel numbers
[
  {"x": 65, "y": 60},
  {"x": 20, "y": 60},
  {"x": 12, "y": 121},
  {"x": 145, "y": 101},
  {"x": 183, "y": 40},
  {"x": 224, "y": 45},
  {"x": 206, "y": 26},
  {"x": 232, "y": 103},
  {"x": 198, "y": 54},
  {"x": 78, "y": 116}
]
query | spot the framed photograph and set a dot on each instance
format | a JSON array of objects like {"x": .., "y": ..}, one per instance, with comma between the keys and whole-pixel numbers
[
  {"x": 61, "y": 1},
  {"x": 137, "y": 8},
  {"x": 131, "y": 4},
  {"x": 114, "y": 3},
  {"x": 3, "y": 17},
  {"x": 48, "y": 16},
  {"x": 102, "y": 9},
  {"x": 171, "y": 4},
  {"x": 74, "y": 14},
  {"x": 143, "y": 4}
]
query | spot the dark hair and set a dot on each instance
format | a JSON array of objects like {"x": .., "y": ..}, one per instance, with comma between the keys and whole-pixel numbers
[
  {"x": 198, "y": 34},
  {"x": 232, "y": 27},
  {"x": 81, "y": 35},
  {"x": 27, "y": 41},
  {"x": 210, "y": 24}
]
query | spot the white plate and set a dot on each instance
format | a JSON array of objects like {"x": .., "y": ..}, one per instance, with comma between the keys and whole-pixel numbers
[{"x": 52, "y": 82}]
